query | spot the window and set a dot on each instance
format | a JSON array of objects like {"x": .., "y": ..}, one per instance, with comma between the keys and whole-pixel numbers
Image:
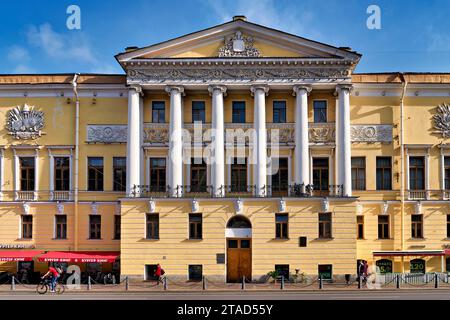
[
  {"x": 62, "y": 173},
  {"x": 198, "y": 175},
  {"x": 158, "y": 174},
  {"x": 158, "y": 112},
  {"x": 325, "y": 225},
  {"x": 448, "y": 226},
  {"x": 447, "y": 265},
  {"x": 150, "y": 270},
  {"x": 384, "y": 265},
  {"x": 282, "y": 270},
  {"x": 360, "y": 227},
  {"x": 359, "y": 173},
  {"x": 302, "y": 242},
  {"x": 238, "y": 112},
  {"x": 417, "y": 226},
  {"x": 95, "y": 227},
  {"x": 320, "y": 174},
  {"x": 61, "y": 226},
  {"x": 417, "y": 266},
  {"x": 383, "y": 227},
  {"x": 281, "y": 177},
  {"x": 384, "y": 173},
  {"x": 195, "y": 272},
  {"x": 198, "y": 111},
  {"x": 281, "y": 226},
  {"x": 279, "y": 111},
  {"x": 326, "y": 271},
  {"x": 447, "y": 173},
  {"x": 239, "y": 222},
  {"x": 152, "y": 226},
  {"x": 27, "y": 227},
  {"x": 27, "y": 170},
  {"x": 416, "y": 173},
  {"x": 119, "y": 173},
  {"x": 95, "y": 174},
  {"x": 117, "y": 222},
  {"x": 320, "y": 111},
  {"x": 239, "y": 175},
  {"x": 195, "y": 226}
]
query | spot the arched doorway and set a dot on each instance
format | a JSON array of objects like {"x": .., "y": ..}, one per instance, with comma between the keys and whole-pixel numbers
[{"x": 239, "y": 248}]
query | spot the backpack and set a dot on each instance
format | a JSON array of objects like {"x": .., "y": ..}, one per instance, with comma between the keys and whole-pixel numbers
[{"x": 162, "y": 271}]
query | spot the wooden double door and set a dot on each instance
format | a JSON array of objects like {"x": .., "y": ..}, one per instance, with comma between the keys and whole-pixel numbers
[{"x": 239, "y": 259}]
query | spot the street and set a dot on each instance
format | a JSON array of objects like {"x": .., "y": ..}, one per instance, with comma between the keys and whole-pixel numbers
[{"x": 228, "y": 296}]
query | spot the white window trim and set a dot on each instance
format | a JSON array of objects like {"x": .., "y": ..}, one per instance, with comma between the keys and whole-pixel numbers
[
  {"x": 52, "y": 171},
  {"x": 331, "y": 180},
  {"x": 17, "y": 157},
  {"x": 87, "y": 173},
  {"x": 426, "y": 155}
]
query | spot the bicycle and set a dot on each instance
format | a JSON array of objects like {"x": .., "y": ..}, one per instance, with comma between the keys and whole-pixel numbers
[{"x": 45, "y": 284}]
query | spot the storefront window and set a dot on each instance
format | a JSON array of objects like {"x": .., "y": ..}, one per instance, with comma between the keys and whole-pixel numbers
[
  {"x": 417, "y": 266},
  {"x": 326, "y": 271},
  {"x": 385, "y": 266}
]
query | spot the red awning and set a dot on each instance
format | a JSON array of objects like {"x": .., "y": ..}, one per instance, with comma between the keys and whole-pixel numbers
[
  {"x": 18, "y": 255},
  {"x": 409, "y": 253},
  {"x": 79, "y": 256}
]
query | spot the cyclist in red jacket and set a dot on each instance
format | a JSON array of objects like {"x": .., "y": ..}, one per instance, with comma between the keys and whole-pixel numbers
[{"x": 55, "y": 273}]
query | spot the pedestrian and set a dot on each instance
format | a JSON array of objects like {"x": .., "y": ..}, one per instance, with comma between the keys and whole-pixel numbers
[
  {"x": 365, "y": 271},
  {"x": 158, "y": 273}
]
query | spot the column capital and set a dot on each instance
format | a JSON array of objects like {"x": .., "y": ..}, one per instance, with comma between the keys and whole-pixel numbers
[
  {"x": 257, "y": 87},
  {"x": 297, "y": 88},
  {"x": 213, "y": 87},
  {"x": 179, "y": 89},
  {"x": 137, "y": 88},
  {"x": 343, "y": 87}
]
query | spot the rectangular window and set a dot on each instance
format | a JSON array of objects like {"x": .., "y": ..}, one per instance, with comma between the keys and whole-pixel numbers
[
  {"x": 279, "y": 112},
  {"x": 198, "y": 175},
  {"x": 238, "y": 112},
  {"x": 448, "y": 226},
  {"x": 325, "y": 225},
  {"x": 198, "y": 111},
  {"x": 27, "y": 227},
  {"x": 359, "y": 173},
  {"x": 417, "y": 226},
  {"x": 326, "y": 271},
  {"x": 280, "y": 179},
  {"x": 383, "y": 227},
  {"x": 384, "y": 173},
  {"x": 282, "y": 270},
  {"x": 195, "y": 226},
  {"x": 150, "y": 270},
  {"x": 62, "y": 173},
  {"x": 158, "y": 112},
  {"x": 95, "y": 227},
  {"x": 158, "y": 174},
  {"x": 360, "y": 227},
  {"x": 61, "y": 226},
  {"x": 27, "y": 172},
  {"x": 119, "y": 173},
  {"x": 321, "y": 174},
  {"x": 281, "y": 226},
  {"x": 152, "y": 226},
  {"x": 239, "y": 175},
  {"x": 302, "y": 242},
  {"x": 416, "y": 173},
  {"x": 95, "y": 174},
  {"x": 195, "y": 272},
  {"x": 117, "y": 223},
  {"x": 447, "y": 173},
  {"x": 320, "y": 111}
]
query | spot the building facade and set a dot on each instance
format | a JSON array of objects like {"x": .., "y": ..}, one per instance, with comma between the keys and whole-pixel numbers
[{"x": 227, "y": 153}]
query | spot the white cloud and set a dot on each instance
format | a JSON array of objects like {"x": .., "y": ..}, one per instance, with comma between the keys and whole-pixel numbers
[
  {"x": 23, "y": 69},
  {"x": 437, "y": 40},
  {"x": 17, "y": 53}
]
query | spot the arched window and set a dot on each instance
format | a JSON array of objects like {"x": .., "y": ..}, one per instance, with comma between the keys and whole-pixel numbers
[
  {"x": 239, "y": 222},
  {"x": 417, "y": 266},
  {"x": 385, "y": 266}
]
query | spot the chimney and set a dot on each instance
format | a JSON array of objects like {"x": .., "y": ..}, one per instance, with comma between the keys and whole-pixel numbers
[
  {"x": 129, "y": 49},
  {"x": 243, "y": 18}
]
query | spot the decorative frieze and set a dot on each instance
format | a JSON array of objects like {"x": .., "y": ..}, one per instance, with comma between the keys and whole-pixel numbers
[
  {"x": 106, "y": 133},
  {"x": 156, "y": 133},
  {"x": 371, "y": 133},
  {"x": 324, "y": 133},
  {"x": 25, "y": 123}
]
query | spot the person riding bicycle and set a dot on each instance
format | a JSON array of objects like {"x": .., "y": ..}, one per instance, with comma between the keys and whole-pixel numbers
[
  {"x": 158, "y": 273},
  {"x": 54, "y": 272}
]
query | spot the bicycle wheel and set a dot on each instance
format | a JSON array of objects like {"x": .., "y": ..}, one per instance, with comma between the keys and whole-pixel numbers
[
  {"x": 59, "y": 288},
  {"x": 42, "y": 288}
]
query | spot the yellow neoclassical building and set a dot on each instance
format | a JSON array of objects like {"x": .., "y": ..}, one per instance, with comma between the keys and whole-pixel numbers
[{"x": 227, "y": 153}]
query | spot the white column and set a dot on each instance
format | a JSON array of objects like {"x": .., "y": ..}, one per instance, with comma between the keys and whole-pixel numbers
[
  {"x": 175, "y": 141},
  {"x": 133, "y": 140},
  {"x": 218, "y": 140},
  {"x": 302, "y": 169},
  {"x": 260, "y": 174},
  {"x": 344, "y": 145}
]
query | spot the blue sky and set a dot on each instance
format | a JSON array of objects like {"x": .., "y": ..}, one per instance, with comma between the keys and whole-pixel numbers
[{"x": 414, "y": 35}]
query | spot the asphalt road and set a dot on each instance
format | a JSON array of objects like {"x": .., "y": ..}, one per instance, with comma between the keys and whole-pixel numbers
[{"x": 347, "y": 295}]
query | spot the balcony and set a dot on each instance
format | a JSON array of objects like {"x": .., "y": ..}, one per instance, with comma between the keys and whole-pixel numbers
[
  {"x": 418, "y": 194},
  {"x": 60, "y": 195},
  {"x": 294, "y": 191},
  {"x": 25, "y": 196}
]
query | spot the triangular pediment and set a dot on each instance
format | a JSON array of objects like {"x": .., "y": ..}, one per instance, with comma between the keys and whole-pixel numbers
[{"x": 239, "y": 38}]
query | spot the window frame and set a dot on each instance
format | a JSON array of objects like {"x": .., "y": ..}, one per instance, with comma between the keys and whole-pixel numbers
[
  {"x": 416, "y": 169},
  {"x": 26, "y": 227},
  {"x": 383, "y": 169},
  {"x": 236, "y": 104},
  {"x": 159, "y": 111},
  {"x": 236, "y": 170},
  {"x": 355, "y": 174},
  {"x": 196, "y": 279},
  {"x": 282, "y": 109},
  {"x": 60, "y": 227},
  {"x": 360, "y": 227},
  {"x": 95, "y": 227},
  {"x": 195, "y": 227},
  {"x": 417, "y": 227},
  {"x": 198, "y": 111},
  {"x": 321, "y": 169},
  {"x": 122, "y": 171},
  {"x": 325, "y": 227},
  {"x": 99, "y": 186},
  {"x": 155, "y": 226},
  {"x": 156, "y": 185},
  {"x": 198, "y": 170},
  {"x": 30, "y": 176},
  {"x": 117, "y": 223},
  {"x": 385, "y": 227},
  {"x": 281, "y": 227},
  {"x": 65, "y": 169},
  {"x": 314, "y": 110}
]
